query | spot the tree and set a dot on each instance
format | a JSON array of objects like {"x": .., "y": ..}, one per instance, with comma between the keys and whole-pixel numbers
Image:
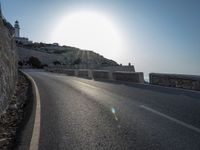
[
  {"x": 20, "y": 63},
  {"x": 34, "y": 62}
]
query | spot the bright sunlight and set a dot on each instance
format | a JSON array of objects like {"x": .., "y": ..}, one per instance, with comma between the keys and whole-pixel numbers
[{"x": 92, "y": 31}]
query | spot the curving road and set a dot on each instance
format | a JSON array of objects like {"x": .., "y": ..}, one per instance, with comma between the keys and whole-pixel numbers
[{"x": 80, "y": 114}]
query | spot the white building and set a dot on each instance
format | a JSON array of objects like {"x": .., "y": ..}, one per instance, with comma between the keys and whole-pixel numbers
[
  {"x": 18, "y": 39},
  {"x": 17, "y": 29}
]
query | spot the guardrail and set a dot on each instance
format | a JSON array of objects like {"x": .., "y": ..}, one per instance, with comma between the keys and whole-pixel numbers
[
  {"x": 136, "y": 77},
  {"x": 189, "y": 82},
  {"x": 102, "y": 74},
  {"x": 175, "y": 80},
  {"x": 84, "y": 73},
  {"x": 69, "y": 72}
]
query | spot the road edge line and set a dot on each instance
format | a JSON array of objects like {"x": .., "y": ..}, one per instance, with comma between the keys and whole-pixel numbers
[
  {"x": 34, "y": 144},
  {"x": 186, "y": 125}
]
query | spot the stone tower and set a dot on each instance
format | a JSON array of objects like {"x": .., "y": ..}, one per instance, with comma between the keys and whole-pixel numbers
[{"x": 17, "y": 29}]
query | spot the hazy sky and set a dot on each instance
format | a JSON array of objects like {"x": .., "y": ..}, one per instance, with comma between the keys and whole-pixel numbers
[{"x": 154, "y": 35}]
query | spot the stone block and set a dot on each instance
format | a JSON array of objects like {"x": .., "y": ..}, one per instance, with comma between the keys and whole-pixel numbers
[
  {"x": 137, "y": 77},
  {"x": 176, "y": 80}
]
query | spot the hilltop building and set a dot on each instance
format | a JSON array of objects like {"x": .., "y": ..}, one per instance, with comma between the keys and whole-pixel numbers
[
  {"x": 15, "y": 32},
  {"x": 17, "y": 29},
  {"x": 18, "y": 39}
]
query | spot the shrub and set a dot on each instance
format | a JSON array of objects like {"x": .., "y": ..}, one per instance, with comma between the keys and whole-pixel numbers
[
  {"x": 34, "y": 62},
  {"x": 57, "y": 62},
  {"x": 44, "y": 65},
  {"x": 59, "y": 51},
  {"x": 20, "y": 63}
]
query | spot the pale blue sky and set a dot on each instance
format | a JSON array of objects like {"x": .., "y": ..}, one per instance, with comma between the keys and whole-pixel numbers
[{"x": 161, "y": 35}]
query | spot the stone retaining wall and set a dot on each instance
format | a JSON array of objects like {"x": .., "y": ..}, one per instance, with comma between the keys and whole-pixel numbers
[
  {"x": 69, "y": 72},
  {"x": 175, "y": 80},
  {"x": 136, "y": 77},
  {"x": 84, "y": 73},
  {"x": 119, "y": 68},
  {"x": 101, "y": 74},
  {"x": 8, "y": 67}
]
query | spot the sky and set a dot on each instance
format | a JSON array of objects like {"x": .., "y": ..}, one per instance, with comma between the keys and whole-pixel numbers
[{"x": 160, "y": 36}]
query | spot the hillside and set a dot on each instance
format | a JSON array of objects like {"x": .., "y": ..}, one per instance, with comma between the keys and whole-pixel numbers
[{"x": 51, "y": 55}]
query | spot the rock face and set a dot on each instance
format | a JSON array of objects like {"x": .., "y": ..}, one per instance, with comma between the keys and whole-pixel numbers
[
  {"x": 8, "y": 65},
  {"x": 62, "y": 56}
]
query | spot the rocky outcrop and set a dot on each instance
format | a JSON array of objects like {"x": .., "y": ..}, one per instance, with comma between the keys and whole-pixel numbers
[{"x": 8, "y": 65}]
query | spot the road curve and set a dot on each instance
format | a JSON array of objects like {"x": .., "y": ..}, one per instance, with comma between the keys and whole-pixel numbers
[{"x": 80, "y": 114}]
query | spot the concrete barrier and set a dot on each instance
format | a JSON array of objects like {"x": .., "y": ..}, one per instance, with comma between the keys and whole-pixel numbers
[
  {"x": 84, "y": 73},
  {"x": 137, "y": 77},
  {"x": 90, "y": 74},
  {"x": 175, "y": 80},
  {"x": 101, "y": 74},
  {"x": 53, "y": 70},
  {"x": 129, "y": 68},
  {"x": 76, "y": 73},
  {"x": 60, "y": 70},
  {"x": 69, "y": 72}
]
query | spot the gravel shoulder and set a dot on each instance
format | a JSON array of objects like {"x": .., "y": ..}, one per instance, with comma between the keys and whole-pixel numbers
[{"x": 14, "y": 121}]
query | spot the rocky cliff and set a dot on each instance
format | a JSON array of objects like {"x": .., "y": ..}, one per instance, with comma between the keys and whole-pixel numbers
[
  {"x": 8, "y": 65},
  {"x": 62, "y": 56}
]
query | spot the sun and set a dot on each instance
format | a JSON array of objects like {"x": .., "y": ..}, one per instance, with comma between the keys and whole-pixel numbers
[{"x": 91, "y": 31}]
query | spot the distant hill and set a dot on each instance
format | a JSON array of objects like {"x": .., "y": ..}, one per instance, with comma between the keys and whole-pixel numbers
[{"x": 52, "y": 55}]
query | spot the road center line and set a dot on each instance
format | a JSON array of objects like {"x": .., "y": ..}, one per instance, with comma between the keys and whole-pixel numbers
[{"x": 171, "y": 119}]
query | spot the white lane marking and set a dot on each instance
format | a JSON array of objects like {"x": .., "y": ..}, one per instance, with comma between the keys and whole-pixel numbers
[
  {"x": 156, "y": 112},
  {"x": 34, "y": 145},
  {"x": 171, "y": 118}
]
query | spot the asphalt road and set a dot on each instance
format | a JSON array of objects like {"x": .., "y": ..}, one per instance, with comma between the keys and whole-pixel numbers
[{"x": 81, "y": 114}]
